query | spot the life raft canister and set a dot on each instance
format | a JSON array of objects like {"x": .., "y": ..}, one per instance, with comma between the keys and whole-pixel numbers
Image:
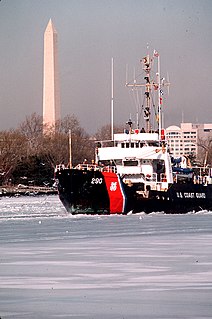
[{"x": 162, "y": 134}]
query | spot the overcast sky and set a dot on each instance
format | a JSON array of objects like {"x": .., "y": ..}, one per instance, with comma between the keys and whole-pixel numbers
[{"x": 90, "y": 33}]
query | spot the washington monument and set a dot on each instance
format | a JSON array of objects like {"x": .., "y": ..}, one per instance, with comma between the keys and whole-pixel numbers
[{"x": 51, "y": 93}]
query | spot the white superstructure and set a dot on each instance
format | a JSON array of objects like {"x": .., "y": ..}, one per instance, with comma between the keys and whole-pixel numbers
[{"x": 138, "y": 158}]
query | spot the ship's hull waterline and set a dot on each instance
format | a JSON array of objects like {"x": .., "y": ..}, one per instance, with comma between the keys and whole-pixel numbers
[{"x": 96, "y": 192}]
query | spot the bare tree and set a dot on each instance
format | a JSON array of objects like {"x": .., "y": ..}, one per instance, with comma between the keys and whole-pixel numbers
[
  {"x": 32, "y": 129},
  {"x": 69, "y": 122},
  {"x": 32, "y": 126},
  {"x": 56, "y": 144},
  {"x": 12, "y": 147},
  {"x": 104, "y": 133},
  {"x": 55, "y": 148},
  {"x": 25, "y": 150}
]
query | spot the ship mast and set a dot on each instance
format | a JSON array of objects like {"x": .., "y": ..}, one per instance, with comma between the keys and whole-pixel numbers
[
  {"x": 159, "y": 95},
  {"x": 112, "y": 100},
  {"x": 150, "y": 86},
  {"x": 147, "y": 67},
  {"x": 70, "y": 148}
]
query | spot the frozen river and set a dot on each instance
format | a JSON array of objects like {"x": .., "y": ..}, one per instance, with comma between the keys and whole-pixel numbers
[{"x": 53, "y": 265}]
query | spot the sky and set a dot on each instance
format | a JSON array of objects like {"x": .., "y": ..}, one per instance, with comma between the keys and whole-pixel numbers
[{"x": 90, "y": 33}]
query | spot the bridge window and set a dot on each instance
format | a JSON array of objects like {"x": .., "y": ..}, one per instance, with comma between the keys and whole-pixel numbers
[
  {"x": 118, "y": 161},
  {"x": 131, "y": 163}
]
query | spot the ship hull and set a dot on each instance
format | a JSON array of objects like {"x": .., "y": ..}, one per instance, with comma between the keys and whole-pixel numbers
[{"x": 96, "y": 192}]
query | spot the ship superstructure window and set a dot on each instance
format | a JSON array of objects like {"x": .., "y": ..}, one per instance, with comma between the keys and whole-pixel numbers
[
  {"x": 133, "y": 144},
  {"x": 131, "y": 163},
  {"x": 153, "y": 143},
  {"x": 158, "y": 166},
  {"x": 146, "y": 162},
  {"x": 118, "y": 161},
  {"x": 104, "y": 162},
  {"x": 136, "y": 144},
  {"x": 111, "y": 162}
]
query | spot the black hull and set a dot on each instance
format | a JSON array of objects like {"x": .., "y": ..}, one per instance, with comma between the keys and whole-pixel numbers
[{"x": 90, "y": 192}]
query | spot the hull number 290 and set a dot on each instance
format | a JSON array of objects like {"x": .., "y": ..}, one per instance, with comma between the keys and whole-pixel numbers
[{"x": 96, "y": 180}]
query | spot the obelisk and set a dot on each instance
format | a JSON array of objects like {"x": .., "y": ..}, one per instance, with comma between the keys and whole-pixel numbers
[{"x": 51, "y": 93}]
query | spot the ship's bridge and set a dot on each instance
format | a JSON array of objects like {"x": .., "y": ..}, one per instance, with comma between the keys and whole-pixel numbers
[
  {"x": 120, "y": 137},
  {"x": 141, "y": 145},
  {"x": 135, "y": 155},
  {"x": 124, "y": 140}
]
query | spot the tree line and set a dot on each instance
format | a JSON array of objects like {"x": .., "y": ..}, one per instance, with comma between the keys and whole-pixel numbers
[{"x": 28, "y": 156}]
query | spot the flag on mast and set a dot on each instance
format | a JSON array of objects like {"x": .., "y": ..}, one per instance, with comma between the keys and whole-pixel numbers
[{"x": 156, "y": 54}]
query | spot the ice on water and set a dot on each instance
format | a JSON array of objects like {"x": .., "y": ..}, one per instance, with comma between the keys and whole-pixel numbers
[
  {"x": 53, "y": 265},
  {"x": 30, "y": 207}
]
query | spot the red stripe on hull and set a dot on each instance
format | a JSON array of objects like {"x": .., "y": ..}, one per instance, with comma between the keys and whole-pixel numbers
[{"x": 116, "y": 196}]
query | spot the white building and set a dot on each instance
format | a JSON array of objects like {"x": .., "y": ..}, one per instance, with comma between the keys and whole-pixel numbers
[{"x": 186, "y": 139}]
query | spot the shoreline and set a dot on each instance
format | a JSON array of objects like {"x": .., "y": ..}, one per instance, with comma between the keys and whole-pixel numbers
[{"x": 21, "y": 190}]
